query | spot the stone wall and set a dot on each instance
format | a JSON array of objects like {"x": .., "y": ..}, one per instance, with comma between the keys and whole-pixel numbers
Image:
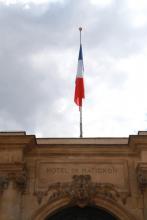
[{"x": 41, "y": 176}]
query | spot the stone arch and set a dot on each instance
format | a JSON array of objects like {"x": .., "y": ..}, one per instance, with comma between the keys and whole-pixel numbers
[
  {"x": 114, "y": 208},
  {"x": 50, "y": 208},
  {"x": 56, "y": 205}
]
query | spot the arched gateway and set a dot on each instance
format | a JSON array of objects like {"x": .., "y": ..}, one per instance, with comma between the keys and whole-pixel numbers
[
  {"x": 78, "y": 213},
  {"x": 73, "y": 179}
]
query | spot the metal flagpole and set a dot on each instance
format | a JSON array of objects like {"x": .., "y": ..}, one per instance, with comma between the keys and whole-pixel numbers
[
  {"x": 81, "y": 127},
  {"x": 80, "y": 108},
  {"x": 80, "y": 29}
]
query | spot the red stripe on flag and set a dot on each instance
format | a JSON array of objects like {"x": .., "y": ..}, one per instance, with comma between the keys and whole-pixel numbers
[{"x": 79, "y": 91}]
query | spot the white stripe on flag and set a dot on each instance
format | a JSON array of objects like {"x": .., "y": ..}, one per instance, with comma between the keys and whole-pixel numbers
[{"x": 80, "y": 69}]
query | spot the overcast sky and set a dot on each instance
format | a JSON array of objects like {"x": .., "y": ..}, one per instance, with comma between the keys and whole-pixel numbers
[{"x": 39, "y": 44}]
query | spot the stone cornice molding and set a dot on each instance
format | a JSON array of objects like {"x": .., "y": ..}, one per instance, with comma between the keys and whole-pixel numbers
[
  {"x": 131, "y": 146},
  {"x": 32, "y": 146},
  {"x": 17, "y": 139}
]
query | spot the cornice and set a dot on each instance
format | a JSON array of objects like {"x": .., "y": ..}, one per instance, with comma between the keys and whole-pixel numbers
[
  {"x": 33, "y": 146},
  {"x": 17, "y": 139},
  {"x": 89, "y": 150},
  {"x": 137, "y": 140},
  {"x": 83, "y": 141}
]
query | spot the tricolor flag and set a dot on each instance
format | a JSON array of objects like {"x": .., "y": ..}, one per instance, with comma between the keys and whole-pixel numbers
[{"x": 79, "y": 85}]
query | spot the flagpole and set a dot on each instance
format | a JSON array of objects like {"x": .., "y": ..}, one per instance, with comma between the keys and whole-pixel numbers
[
  {"x": 81, "y": 125},
  {"x": 80, "y": 29},
  {"x": 80, "y": 107}
]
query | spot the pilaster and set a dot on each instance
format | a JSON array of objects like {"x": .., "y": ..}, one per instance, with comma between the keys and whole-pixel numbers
[
  {"x": 13, "y": 175},
  {"x": 142, "y": 181}
]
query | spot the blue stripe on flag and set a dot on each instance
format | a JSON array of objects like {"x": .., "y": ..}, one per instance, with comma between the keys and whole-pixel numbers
[{"x": 80, "y": 53}]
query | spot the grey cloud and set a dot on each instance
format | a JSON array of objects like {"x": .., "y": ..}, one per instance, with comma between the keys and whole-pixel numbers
[
  {"x": 114, "y": 33},
  {"x": 26, "y": 96}
]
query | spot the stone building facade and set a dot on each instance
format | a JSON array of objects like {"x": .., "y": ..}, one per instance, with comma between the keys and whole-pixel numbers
[{"x": 56, "y": 178}]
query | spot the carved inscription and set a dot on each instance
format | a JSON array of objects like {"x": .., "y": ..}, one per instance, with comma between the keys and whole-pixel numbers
[
  {"x": 72, "y": 171},
  {"x": 49, "y": 173}
]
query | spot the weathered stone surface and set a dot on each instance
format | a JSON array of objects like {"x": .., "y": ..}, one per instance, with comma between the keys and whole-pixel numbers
[
  {"x": 40, "y": 176},
  {"x": 104, "y": 171}
]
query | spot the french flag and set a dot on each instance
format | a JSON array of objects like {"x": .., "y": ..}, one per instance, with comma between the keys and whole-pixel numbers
[{"x": 79, "y": 84}]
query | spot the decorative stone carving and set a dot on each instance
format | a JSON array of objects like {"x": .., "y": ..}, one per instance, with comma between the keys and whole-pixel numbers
[
  {"x": 39, "y": 195},
  {"x": 142, "y": 176},
  {"x": 4, "y": 181},
  {"x": 82, "y": 191},
  {"x": 21, "y": 182}
]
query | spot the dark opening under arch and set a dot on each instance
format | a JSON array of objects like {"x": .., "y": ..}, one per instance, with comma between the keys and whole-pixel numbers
[{"x": 86, "y": 213}]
